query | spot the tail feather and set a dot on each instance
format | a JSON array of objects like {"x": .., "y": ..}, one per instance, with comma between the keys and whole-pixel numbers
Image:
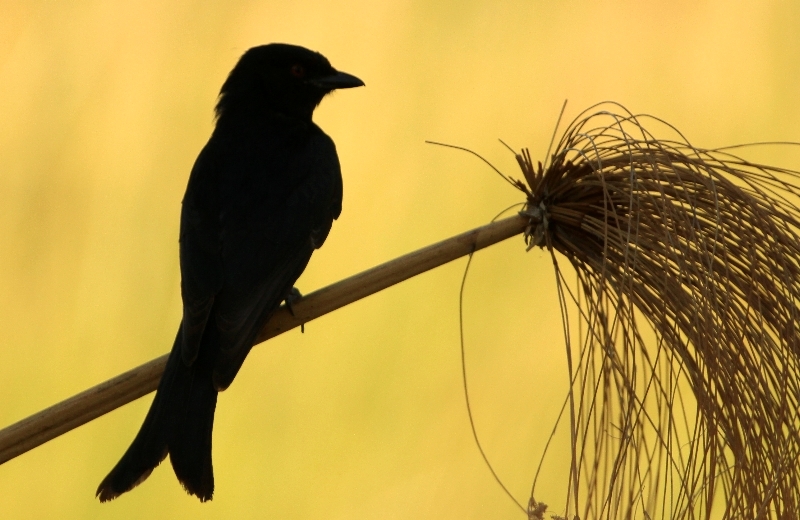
[
  {"x": 190, "y": 442},
  {"x": 180, "y": 422}
]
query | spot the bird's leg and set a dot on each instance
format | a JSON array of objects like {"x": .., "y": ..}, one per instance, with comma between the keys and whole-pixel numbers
[{"x": 293, "y": 296}]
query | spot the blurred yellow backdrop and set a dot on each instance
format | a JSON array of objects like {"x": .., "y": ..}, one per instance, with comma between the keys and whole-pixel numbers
[{"x": 103, "y": 108}]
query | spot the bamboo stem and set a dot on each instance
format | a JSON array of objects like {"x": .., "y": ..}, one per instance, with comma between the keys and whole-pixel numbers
[{"x": 105, "y": 397}]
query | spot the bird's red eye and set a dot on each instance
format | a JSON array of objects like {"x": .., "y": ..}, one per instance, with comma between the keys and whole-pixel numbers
[{"x": 298, "y": 71}]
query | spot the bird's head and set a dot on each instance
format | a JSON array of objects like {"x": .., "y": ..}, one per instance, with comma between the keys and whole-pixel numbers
[{"x": 281, "y": 78}]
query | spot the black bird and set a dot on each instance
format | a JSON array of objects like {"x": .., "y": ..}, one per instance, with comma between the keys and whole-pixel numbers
[{"x": 261, "y": 198}]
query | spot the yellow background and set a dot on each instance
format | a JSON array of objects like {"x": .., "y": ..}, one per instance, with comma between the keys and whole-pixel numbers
[{"x": 103, "y": 108}]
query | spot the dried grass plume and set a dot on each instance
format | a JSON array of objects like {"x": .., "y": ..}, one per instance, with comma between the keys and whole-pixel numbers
[{"x": 680, "y": 310}]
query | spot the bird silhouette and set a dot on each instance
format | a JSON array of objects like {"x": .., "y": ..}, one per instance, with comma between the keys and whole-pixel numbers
[{"x": 262, "y": 196}]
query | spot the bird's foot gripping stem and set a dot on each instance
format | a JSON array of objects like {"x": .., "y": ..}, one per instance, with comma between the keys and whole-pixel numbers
[{"x": 292, "y": 298}]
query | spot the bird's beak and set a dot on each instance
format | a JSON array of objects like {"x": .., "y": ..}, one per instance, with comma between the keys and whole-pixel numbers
[{"x": 336, "y": 81}]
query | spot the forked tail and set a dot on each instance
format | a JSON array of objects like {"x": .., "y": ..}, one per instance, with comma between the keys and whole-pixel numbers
[{"x": 180, "y": 422}]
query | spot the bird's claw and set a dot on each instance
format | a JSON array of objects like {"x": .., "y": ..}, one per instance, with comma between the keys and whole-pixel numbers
[{"x": 291, "y": 298}]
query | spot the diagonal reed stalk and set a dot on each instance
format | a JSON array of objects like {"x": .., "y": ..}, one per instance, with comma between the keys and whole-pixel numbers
[
  {"x": 94, "y": 402},
  {"x": 680, "y": 325}
]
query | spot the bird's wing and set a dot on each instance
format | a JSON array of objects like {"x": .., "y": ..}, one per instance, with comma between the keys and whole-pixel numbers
[
  {"x": 262, "y": 263},
  {"x": 200, "y": 256}
]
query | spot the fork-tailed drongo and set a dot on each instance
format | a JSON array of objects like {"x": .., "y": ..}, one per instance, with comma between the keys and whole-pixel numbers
[{"x": 261, "y": 198}]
